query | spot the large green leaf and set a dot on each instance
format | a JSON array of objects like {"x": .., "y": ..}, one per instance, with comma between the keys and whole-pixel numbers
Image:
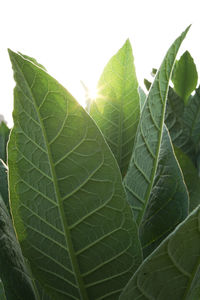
[
  {"x": 4, "y": 134},
  {"x": 117, "y": 108},
  {"x": 172, "y": 271},
  {"x": 185, "y": 76},
  {"x": 13, "y": 271},
  {"x": 168, "y": 204},
  {"x": 191, "y": 178},
  {"x": 142, "y": 169},
  {"x": 68, "y": 202}
]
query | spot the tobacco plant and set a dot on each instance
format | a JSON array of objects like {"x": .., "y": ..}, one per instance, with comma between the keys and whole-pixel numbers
[{"x": 103, "y": 203}]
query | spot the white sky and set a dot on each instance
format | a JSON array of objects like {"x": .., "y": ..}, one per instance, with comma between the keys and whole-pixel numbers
[{"x": 74, "y": 39}]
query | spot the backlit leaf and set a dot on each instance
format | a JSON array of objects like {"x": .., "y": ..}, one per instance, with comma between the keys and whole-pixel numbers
[
  {"x": 67, "y": 199},
  {"x": 117, "y": 108},
  {"x": 185, "y": 76}
]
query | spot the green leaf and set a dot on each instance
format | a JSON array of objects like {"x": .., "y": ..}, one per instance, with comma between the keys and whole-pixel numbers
[
  {"x": 191, "y": 178},
  {"x": 168, "y": 203},
  {"x": 147, "y": 84},
  {"x": 2, "y": 292},
  {"x": 68, "y": 202},
  {"x": 4, "y": 183},
  {"x": 33, "y": 60},
  {"x": 174, "y": 119},
  {"x": 172, "y": 271},
  {"x": 142, "y": 97},
  {"x": 185, "y": 76},
  {"x": 142, "y": 169},
  {"x": 117, "y": 108},
  {"x": 4, "y": 134},
  {"x": 192, "y": 117},
  {"x": 13, "y": 272}
]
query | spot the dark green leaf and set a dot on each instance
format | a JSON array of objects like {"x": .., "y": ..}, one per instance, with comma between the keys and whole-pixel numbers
[
  {"x": 191, "y": 177},
  {"x": 172, "y": 271},
  {"x": 147, "y": 84},
  {"x": 192, "y": 117},
  {"x": 185, "y": 76},
  {"x": 168, "y": 204},
  {"x": 174, "y": 119},
  {"x": 142, "y": 169},
  {"x": 4, "y": 183},
  {"x": 117, "y": 108},
  {"x": 67, "y": 198},
  {"x": 4, "y": 134},
  {"x": 2, "y": 292},
  {"x": 13, "y": 272}
]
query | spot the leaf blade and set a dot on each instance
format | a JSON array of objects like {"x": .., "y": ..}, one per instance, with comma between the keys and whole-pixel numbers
[
  {"x": 142, "y": 169},
  {"x": 185, "y": 76},
  {"x": 167, "y": 272},
  {"x": 60, "y": 162},
  {"x": 168, "y": 204},
  {"x": 117, "y": 109},
  {"x": 13, "y": 272}
]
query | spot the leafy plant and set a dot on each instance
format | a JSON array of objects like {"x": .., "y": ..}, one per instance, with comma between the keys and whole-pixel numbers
[{"x": 102, "y": 202}]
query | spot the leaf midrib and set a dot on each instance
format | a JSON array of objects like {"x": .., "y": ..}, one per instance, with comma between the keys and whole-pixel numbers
[
  {"x": 155, "y": 164},
  {"x": 74, "y": 262}
]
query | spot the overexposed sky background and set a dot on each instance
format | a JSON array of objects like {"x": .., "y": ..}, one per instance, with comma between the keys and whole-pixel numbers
[{"x": 74, "y": 39}]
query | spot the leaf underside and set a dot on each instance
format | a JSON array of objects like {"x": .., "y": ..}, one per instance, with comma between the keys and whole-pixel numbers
[
  {"x": 67, "y": 197},
  {"x": 172, "y": 271},
  {"x": 142, "y": 169},
  {"x": 168, "y": 204},
  {"x": 117, "y": 108}
]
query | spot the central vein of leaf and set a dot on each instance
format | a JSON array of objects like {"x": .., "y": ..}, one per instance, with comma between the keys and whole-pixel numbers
[{"x": 74, "y": 262}]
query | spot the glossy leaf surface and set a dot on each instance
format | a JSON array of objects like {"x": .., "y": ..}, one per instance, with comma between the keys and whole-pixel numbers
[
  {"x": 68, "y": 202},
  {"x": 117, "y": 108},
  {"x": 172, "y": 271},
  {"x": 142, "y": 169}
]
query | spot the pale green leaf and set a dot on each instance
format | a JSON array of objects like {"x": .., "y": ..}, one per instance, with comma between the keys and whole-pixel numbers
[
  {"x": 142, "y": 169},
  {"x": 185, "y": 76},
  {"x": 172, "y": 271},
  {"x": 117, "y": 108},
  {"x": 68, "y": 202},
  {"x": 168, "y": 204},
  {"x": 13, "y": 271}
]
